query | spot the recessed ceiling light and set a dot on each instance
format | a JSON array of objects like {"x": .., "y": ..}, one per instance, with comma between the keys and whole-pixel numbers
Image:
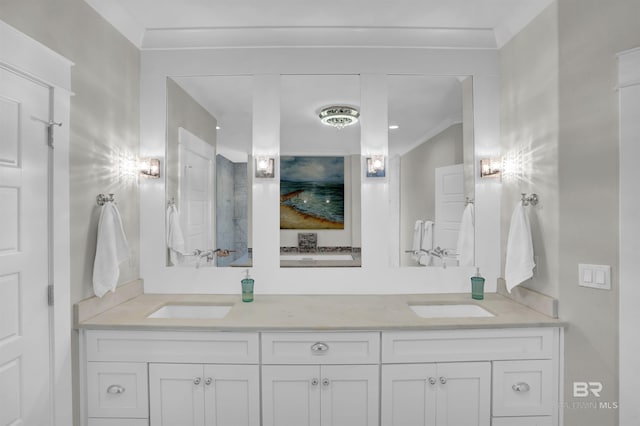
[{"x": 394, "y": 127}]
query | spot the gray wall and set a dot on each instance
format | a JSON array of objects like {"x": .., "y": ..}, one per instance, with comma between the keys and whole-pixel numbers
[
  {"x": 104, "y": 126},
  {"x": 417, "y": 181},
  {"x": 591, "y": 32},
  {"x": 529, "y": 131},
  {"x": 559, "y": 103},
  {"x": 104, "y": 120}
]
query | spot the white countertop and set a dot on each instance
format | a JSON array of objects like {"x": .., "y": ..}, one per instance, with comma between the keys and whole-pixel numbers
[{"x": 317, "y": 312}]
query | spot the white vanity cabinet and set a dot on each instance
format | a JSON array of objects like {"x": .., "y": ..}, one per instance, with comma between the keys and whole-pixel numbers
[
  {"x": 471, "y": 377},
  {"x": 204, "y": 395},
  {"x": 320, "y": 379},
  {"x": 436, "y": 394},
  {"x": 170, "y": 378}
]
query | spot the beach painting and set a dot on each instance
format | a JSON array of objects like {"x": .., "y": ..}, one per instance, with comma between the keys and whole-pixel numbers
[{"x": 311, "y": 192}]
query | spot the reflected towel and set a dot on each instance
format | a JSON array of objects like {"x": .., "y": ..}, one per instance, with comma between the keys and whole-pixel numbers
[
  {"x": 519, "y": 263},
  {"x": 111, "y": 250},
  {"x": 427, "y": 243},
  {"x": 465, "y": 245},
  {"x": 417, "y": 240},
  {"x": 175, "y": 238}
]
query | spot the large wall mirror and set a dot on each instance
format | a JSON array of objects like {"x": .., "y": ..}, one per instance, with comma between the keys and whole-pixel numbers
[
  {"x": 208, "y": 190},
  {"x": 320, "y": 171},
  {"x": 432, "y": 169}
]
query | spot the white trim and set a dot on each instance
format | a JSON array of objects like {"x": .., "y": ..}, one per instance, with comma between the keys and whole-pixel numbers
[
  {"x": 33, "y": 59},
  {"x": 20, "y": 53},
  {"x": 629, "y": 365}
]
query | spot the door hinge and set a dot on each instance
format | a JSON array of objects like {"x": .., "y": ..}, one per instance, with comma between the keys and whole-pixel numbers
[{"x": 50, "y": 294}]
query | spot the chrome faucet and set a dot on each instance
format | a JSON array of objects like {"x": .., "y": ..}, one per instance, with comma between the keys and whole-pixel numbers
[{"x": 209, "y": 254}]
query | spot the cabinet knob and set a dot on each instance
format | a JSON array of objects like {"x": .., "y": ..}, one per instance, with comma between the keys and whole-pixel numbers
[
  {"x": 521, "y": 387},
  {"x": 443, "y": 380},
  {"x": 115, "y": 389},
  {"x": 197, "y": 381},
  {"x": 432, "y": 380},
  {"x": 314, "y": 382},
  {"x": 325, "y": 382},
  {"x": 208, "y": 381},
  {"x": 319, "y": 347}
]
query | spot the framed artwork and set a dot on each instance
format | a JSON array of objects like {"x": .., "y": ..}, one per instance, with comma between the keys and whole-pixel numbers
[{"x": 311, "y": 192}]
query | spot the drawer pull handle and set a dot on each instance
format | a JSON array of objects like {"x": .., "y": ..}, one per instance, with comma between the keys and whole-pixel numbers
[
  {"x": 319, "y": 347},
  {"x": 325, "y": 382},
  {"x": 432, "y": 380},
  {"x": 443, "y": 380},
  {"x": 115, "y": 389},
  {"x": 314, "y": 382},
  {"x": 208, "y": 381},
  {"x": 197, "y": 381},
  {"x": 521, "y": 387}
]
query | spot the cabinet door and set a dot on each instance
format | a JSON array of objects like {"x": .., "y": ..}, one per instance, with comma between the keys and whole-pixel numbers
[
  {"x": 291, "y": 395},
  {"x": 176, "y": 395},
  {"x": 409, "y": 395},
  {"x": 464, "y": 394},
  {"x": 232, "y": 395},
  {"x": 349, "y": 395}
]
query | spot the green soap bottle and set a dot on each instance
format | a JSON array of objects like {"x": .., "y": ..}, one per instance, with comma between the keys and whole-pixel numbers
[
  {"x": 477, "y": 286},
  {"x": 247, "y": 288}
]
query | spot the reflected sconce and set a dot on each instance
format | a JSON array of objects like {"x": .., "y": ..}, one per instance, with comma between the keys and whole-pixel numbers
[
  {"x": 149, "y": 167},
  {"x": 491, "y": 168},
  {"x": 376, "y": 166},
  {"x": 265, "y": 166}
]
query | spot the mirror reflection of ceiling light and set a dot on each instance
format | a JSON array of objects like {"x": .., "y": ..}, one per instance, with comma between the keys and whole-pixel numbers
[
  {"x": 339, "y": 116},
  {"x": 394, "y": 127}
]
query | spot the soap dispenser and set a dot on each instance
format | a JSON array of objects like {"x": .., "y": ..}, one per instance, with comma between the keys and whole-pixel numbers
[
  {"x": 247, "y": 288},
  {"x": 477, "y": 286}
]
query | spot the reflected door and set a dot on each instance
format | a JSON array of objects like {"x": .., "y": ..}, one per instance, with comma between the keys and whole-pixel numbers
[
  {"x": 24, "y": 273},
  {"x": 197, "y": 159},
  {"x": 450, "y": 204}
]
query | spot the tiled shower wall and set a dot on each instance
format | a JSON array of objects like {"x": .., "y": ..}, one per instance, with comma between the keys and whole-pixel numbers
[{"x": 231, "y": 208}]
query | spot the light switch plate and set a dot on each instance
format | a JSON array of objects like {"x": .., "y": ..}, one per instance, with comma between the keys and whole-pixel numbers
[{"x": 594, "y": 276}]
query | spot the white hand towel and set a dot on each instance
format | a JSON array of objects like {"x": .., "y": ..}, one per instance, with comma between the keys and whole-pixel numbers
[
  {"x": 175, "y": 238},
  {"x": 111, "y": 250},
  {"x": 417, "y": 239},
  {"x": 427, "y": 242},
  {"x": 519, "y": 263},
  {"x": 465, "y": 245}
]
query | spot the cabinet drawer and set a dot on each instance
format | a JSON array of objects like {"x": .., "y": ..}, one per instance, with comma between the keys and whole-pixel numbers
[
  {"x": 172, "y": 346},
  {"x": 468, "y": 345},
  {"x": 320, "y": 348},
  {"x": 522, "y": 421},
  {"x": 118, "y": 422},
  {"x": 116, "y": 389},
  {"x": 523, "y": 388}
]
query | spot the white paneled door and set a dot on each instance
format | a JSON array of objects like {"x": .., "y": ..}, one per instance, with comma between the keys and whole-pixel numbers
[{"x": 24, "y": 272}]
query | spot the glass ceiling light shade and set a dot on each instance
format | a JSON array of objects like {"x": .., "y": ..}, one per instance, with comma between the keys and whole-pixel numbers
[{"x": 339, "y": 116}]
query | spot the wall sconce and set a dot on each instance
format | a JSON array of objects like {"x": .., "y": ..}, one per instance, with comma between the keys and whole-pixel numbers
[
  {"x": 265, "y": 167},
  {"x": 491, "y": 168},
  {"x": 376, "y": 166},
  {"x": 149, "y": 167}
]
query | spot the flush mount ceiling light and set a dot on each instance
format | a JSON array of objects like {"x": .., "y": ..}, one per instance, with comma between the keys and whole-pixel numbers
[{"x": 339, "y": 116}]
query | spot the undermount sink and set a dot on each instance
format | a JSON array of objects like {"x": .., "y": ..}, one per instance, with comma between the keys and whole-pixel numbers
[
  {"x": 192, "y": 311},
  {"x": 451, "y": 311}
]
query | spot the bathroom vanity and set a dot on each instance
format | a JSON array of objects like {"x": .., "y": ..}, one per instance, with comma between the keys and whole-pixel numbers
[{"x": 320, "y": 360}]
